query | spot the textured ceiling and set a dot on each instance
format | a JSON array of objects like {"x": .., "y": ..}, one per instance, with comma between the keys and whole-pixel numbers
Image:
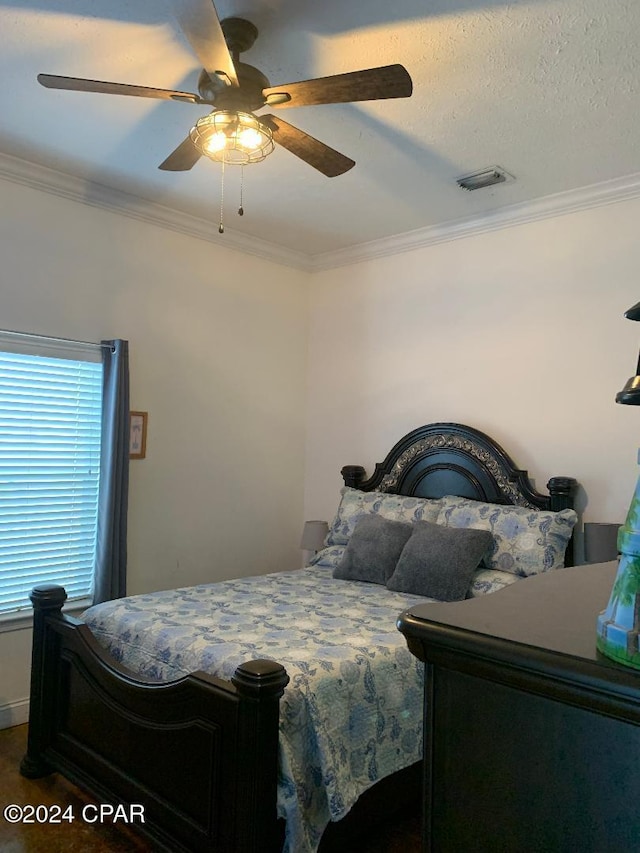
[{"x": 547, "y": 89}]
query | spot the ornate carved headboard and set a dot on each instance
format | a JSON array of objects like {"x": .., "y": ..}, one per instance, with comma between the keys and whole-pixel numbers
[{"x": 453, "y": 459}]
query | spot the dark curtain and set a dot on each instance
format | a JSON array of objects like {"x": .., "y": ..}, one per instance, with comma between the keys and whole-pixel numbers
[{"x": 110, "y": 577}]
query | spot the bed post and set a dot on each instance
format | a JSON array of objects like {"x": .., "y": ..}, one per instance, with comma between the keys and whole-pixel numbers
[
  {"x": 561, "y": 496},
  {"x": 47, "y": 600},
  {"x": 260, "y": 684}
]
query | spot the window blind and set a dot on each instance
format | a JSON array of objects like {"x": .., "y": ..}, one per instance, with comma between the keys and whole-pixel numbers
[{"x": 50, "y": 428}]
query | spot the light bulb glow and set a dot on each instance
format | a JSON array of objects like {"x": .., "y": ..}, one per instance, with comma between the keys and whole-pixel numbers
[
  {"x": 249, "y": 138},
  {"x": 216, "y": 142}
]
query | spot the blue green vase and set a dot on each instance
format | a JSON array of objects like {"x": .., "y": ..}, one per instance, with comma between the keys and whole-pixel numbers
[{"x": 619, "y": 623}]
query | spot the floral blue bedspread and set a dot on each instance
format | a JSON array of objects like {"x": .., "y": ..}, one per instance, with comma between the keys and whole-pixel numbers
[{"x": 352, "y": 712}]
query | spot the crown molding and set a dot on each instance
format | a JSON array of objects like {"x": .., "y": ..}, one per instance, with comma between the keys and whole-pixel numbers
[
  {"x": 94, "y": 194},
  {"x": 559, "y": 204}
]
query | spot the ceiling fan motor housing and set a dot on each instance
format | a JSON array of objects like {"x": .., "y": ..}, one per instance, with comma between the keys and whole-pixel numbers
[
  {"x": 247, "y": 96},
  {"x": 239, "y": 35}
]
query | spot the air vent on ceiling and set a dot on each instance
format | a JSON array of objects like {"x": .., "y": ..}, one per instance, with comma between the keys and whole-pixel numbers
[{"x": 484, "y": 178}]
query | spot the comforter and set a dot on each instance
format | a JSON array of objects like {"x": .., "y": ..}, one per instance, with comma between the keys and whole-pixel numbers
[{"x": 352, "y": 711}]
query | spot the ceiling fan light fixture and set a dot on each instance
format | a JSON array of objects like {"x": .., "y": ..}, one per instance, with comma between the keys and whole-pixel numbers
[{"x": 232, "y": 136}]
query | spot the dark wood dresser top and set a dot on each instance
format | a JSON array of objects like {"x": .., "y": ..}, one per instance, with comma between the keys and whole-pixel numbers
[{"x": 552, "y": 613}]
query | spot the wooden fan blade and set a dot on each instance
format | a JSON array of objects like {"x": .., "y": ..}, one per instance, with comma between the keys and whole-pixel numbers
[
  {"x": 200, "y": 23},
  {"x": 388, "y": 81},
  {"x": 79, "y": 84},
  {"x": 326, "y": 160},
  {"x": 183, "y": 158}
]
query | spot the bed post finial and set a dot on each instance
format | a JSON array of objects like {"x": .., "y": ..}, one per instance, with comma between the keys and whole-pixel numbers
[
  {"x": 561, "y": 491},
  {"x": 260, "y": 678},
  {"x": 353, "y": 475}
]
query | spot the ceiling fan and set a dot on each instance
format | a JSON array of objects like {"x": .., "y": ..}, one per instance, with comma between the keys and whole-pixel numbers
[{"x": 232, "y": 132}]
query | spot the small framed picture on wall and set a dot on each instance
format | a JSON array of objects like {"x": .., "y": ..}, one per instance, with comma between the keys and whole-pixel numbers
[{"x": 137, "y": 435}]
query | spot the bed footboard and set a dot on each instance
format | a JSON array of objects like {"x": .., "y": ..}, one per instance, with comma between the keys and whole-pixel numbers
[{"x": 199, "y": 754}]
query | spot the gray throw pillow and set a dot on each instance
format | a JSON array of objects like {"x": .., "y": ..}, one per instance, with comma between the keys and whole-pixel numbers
[
  {"x": 438, "y": 562},
  {"x": 373, "y": 550}
]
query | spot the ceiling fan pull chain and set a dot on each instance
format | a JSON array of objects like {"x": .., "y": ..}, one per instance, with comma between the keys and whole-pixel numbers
[
  {"x": 241, "y": 208},
  {"x": 221, "y": 226}
]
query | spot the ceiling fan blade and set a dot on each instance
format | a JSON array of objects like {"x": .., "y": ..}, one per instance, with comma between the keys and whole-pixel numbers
[
  {"x": 200, "y": 23},
  {"x": 79, "y": 84},
  {"x": 388, "y": 81},
  {"x": 326, "y": 160},
  {"x": 183, "y": 158}
]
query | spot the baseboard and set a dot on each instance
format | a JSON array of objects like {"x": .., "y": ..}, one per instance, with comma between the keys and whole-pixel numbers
[{"x": 14, "y": 713}]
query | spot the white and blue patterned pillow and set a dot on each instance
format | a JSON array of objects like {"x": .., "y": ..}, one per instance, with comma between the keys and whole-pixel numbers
[
  {"x": 355, "y": 504},
  {"x": 485, "y": 581},
  {"x": 525, "y": 541}
]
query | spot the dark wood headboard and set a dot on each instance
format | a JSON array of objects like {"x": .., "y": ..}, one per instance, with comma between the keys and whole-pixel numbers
[{"x": 453, "y": 459}]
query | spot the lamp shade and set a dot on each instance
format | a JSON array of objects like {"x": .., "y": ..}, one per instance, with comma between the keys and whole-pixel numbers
[
  {"x": 600, "y": 541},
  {"x": 313, "y": 535}
]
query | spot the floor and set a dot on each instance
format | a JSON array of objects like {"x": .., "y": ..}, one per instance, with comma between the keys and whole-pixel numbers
[{"x": 79, "y": 836}]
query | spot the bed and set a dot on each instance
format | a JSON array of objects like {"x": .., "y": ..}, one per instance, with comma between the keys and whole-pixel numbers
[{"x": 251, "y": 755}]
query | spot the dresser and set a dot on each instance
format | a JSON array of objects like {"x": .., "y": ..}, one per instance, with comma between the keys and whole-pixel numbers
[{"x": 532, "y": 738}]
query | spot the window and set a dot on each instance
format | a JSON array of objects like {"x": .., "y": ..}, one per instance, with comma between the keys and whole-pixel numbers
[{"x": 50, "y": 430}]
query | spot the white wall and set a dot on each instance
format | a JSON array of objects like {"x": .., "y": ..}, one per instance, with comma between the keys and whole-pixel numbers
[
  {"x": 519, "y": 333},
  {"x": 218, "y": 358}
]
